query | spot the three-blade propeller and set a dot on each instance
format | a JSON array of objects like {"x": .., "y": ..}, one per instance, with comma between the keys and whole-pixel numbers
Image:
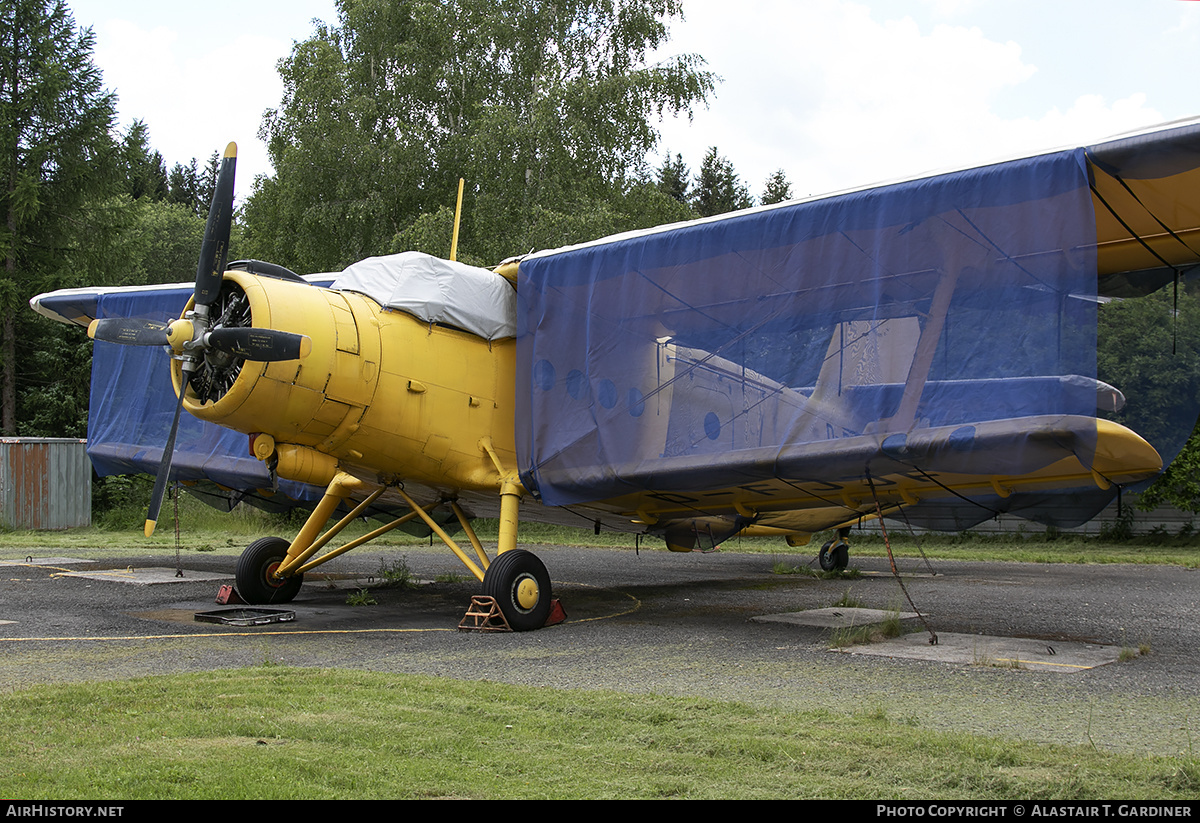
[{"x": 192, "y": 336}]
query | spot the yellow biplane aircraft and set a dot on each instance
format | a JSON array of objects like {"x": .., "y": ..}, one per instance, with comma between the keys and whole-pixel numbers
[{"x": 925, "y": 347}]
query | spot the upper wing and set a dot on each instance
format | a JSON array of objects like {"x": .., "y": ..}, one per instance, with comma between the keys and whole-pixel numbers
[{"x": 936, "y": 336}]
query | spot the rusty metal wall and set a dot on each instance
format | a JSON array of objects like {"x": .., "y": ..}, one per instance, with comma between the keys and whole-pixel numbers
[{"x": 45, "y": 483}]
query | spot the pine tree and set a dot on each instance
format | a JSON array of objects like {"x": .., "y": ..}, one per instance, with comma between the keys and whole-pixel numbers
[
  {"x": 207, "y": 183},
  {"x": 144, "y": 169},
  {"x": 777, "y": 190},
  {"x": 183, "y": 184},
  {"x": 718, "y": 188},
  {"x": 58, "y": 155},
  {"x": 674, "y": 178}
]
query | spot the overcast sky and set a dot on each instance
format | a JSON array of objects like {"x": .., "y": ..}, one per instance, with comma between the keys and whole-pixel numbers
[{"x": 835, "y": 93}]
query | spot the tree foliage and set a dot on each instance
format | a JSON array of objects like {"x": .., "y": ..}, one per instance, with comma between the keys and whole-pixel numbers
[
  {"x": 543, "y": 107},
  {"x": 190, "y": 187},
  {"x": 718, "y": 187},
  {"x": 59, "y": 159},
  {"x": 1149, "y": 348},
  {"x": 777, "y": 189},
  {"x": 82, "y": 205},
  {"x": 142, "y": 168},
  {"x": 674, "y": 179}
]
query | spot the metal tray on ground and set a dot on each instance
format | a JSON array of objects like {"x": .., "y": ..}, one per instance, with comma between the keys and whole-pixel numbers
[{"x": 246, "y": 617}]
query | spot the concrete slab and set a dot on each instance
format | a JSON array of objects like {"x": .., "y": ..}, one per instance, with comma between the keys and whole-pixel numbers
[
  {"x": 958, "y": 649},
  {"x": 997, "y": 652},
  {"x": 46, "y": 561},
  {"x": 905, "y": 574},
  {"x": 147, "y": 576},
  {"x": 833, "y": 618},
  {"x": 154, "y": 575}
]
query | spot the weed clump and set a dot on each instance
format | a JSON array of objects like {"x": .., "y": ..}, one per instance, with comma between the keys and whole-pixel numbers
[
  {"x": 362, "y": 597},
  {"x": 397, "y": 574},
  {"x": 870, "y": 633}
]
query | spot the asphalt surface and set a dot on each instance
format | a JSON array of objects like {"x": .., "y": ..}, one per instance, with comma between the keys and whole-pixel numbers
[{"x": 664, "y": 623}]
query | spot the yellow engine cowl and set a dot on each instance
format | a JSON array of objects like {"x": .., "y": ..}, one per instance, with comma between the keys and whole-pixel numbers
[{"x": 380, "y": 389}]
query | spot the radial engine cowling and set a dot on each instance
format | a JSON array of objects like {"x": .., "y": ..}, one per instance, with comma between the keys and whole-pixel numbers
[{"x": 315, "y": 401}]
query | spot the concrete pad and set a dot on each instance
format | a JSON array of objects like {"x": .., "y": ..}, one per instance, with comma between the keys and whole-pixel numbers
[
  {"x": 959, "y": 649},
  {"x": 903, "y": 573},
  {"x": 998, "y": 652},
  {"x": 147, "y": 576},
  {"x": 154, "y": 575},
  {"x": 833, "y": 618},
  {"x": 46, "y": 561}
]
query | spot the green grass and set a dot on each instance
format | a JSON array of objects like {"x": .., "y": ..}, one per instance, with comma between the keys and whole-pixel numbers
[
  {"x": 847, "y": 601},
  {"x": 1037, "y": 548},
  {"x": 203, "y": 528},
  {"x": 276, "y": 732},
  {"x": 886, "y": 629}
]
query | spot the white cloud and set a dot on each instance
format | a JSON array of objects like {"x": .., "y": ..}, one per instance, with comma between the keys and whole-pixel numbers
[
  {"x": 840, "y": 93},
  {"x": 835, "y": 92},
  {"x": 196, "y": 99},
  {"x": 951, "y": 8}
]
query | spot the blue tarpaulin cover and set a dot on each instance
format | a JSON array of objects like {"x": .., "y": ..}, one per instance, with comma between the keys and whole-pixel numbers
[
  {"x": 133, "y": 403},
  {"x": 722, "y": 351}
]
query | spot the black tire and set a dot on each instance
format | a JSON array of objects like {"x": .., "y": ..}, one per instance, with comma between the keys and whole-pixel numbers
[
  {"x": 254, "y": 568},
  {"x": 521, "y": 585},
  {"x": 834, "y": 556},
  {"x": 841, "y": 556}
]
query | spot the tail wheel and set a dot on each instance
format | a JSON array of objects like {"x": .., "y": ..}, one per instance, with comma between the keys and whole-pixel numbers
[
  {"x": 255, "y": 575},
  {"x": 519, "y": 582},
  {"x": 835, "y": 555}
]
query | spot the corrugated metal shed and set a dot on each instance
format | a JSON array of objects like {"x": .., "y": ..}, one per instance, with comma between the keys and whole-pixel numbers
[{"x": 45, "y": 483}]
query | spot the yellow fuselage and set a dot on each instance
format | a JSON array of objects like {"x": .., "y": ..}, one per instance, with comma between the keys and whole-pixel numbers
[{"x": 380, "y": 391}]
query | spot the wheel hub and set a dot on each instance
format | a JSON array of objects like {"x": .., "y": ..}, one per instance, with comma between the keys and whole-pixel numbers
[
  {"x": 527, "y": 593},
  {"x": 273, "y": 579}
]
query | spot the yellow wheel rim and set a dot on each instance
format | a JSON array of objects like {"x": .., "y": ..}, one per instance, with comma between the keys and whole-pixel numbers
[{"x": 527, "y": 593}]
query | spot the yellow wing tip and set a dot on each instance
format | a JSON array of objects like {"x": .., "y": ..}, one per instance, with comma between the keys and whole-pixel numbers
[{"x": 1119, "y": 448}]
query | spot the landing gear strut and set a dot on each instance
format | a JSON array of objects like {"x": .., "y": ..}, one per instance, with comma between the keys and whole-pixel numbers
[{"x": 272, "y": 570}]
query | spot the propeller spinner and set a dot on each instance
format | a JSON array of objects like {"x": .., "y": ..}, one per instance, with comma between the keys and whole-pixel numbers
[{"x": 199, "y": 336}]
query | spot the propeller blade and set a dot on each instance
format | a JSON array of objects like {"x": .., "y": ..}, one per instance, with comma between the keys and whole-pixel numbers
[
  {"x": 263, "y": 345},
  {"x": 128, "y": 331},
  {"x": 215, "y": 249},
  {"x": 164, "y": 467}
]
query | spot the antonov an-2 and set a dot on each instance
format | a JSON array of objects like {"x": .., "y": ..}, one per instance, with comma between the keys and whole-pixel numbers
[{"x": 927, "y": 345}]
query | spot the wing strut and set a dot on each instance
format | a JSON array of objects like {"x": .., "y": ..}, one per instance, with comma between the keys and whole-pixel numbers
[{"x": 926, "y": 348}]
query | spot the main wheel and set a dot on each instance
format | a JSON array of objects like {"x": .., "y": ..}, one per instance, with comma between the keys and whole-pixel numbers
[
  {"x": 255, "y": 573},
  {"x": 835, "y": 555},
  {"x": 521, "y": 586}
]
